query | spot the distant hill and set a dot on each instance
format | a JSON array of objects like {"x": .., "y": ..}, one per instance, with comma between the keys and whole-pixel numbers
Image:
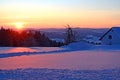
[{"x": 80, "y": 32}]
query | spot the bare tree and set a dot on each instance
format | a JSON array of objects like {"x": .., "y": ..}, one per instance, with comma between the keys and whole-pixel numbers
[{"x": 70, "y": 37}]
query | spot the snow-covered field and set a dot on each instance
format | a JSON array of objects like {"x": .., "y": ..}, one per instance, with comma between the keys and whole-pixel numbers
[
  {"x": 58, "y": 74},
  {"x": 77, "y": 61}
]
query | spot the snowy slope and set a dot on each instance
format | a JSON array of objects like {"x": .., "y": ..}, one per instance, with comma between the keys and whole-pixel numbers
[
  {"x": 76, "y": 61},
  {"x": 80, "y": 46}
]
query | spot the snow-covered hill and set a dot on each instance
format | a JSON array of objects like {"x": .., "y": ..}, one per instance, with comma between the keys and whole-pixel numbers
[
  {"x": 80, "y": 32},
  {"x": 80, "y": 46},
  {"x": 76, "y": 61}
]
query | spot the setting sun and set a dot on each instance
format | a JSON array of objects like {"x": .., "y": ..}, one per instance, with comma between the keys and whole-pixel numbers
[{"x": 19, "y": 25}]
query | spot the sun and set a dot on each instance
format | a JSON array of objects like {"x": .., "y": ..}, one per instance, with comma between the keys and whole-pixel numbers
[{"x": 19, "y": 25}]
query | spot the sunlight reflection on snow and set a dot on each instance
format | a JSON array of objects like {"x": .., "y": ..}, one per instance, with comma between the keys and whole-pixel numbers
[{"x": 68, "y": 60}]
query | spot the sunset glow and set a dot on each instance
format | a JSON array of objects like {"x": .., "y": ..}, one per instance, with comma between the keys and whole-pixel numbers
[
  {"x": 58, "y": 13},
  {"x": 19, "y": 25}
]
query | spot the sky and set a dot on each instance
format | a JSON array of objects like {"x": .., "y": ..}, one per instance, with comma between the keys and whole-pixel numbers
[{"x": 58, "y": 13}]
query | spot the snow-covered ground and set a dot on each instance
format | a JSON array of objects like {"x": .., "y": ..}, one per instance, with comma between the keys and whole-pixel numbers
[
  {"x": 58, "y": 74},
  {"x": 7, "y": 50},
  {"x": 77, "y": 61},
  {"x": 83, "y": 46}
]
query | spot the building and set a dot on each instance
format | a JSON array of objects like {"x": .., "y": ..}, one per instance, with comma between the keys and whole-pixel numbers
[{"x": 111, "y": 37}]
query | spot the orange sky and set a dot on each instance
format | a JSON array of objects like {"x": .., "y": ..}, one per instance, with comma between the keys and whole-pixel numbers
[{"x": 57, "y": 14}]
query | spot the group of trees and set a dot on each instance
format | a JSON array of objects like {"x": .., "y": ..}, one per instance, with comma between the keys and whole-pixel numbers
[
  {"x": 11, "y": 38},
  {"x": 30, "y": 38}
]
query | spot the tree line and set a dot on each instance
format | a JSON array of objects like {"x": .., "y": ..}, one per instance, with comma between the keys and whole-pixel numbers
[{"x": 27, "y": 38}]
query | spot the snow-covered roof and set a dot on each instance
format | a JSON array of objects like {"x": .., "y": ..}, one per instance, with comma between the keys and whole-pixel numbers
[{"x": 115, "y": 29}]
